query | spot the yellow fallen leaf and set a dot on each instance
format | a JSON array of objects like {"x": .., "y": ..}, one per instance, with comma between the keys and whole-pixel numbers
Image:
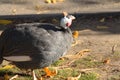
[
  {"x": 47, "y": 1},
  {"x": 7, "y": 67},
  {"x": 5, "y": 22},
  {"x": 53, "y": 1},
  {"x": 75, "y": 34}
]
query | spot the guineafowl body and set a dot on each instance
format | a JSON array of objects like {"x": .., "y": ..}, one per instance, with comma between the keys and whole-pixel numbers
[{"x": 34, "y": 45}]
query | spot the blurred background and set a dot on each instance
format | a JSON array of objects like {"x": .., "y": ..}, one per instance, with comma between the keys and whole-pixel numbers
[{"x": 11, "y": 7}]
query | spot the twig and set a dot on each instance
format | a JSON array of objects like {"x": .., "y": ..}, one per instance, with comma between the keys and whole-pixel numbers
[
  {"x": 113, "y": 48},
  {"x": 14, "y": 77},
  {"x": 88, "y": 69}
]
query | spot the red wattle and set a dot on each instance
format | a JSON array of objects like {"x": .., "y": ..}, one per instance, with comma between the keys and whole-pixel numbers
[{"x": 68, "y": 24}]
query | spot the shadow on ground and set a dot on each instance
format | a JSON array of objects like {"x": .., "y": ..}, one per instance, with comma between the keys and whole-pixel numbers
[{"x": 100, "y": 22}]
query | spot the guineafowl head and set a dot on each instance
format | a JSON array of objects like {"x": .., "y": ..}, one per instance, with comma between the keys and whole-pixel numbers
[{"x": 66, "y": 21}]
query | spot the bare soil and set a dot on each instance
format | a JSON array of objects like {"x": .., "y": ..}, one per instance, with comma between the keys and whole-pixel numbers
[
  {"x": 103, "y": 39},
  {"x": 12, "y": 7}
]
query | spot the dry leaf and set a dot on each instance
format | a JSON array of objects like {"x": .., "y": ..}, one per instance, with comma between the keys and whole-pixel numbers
[
  {"x": 5, "y": 22},
  {"x": 102, "y": 27},
  {"x": 6, "y": 77},
  {"x": 60, "y": 0},
  {"x": 55, "y": 21},
  {"x": 41, "y": 78},
  {"x": 62, "y": 58},
  {"x": 14, "y": 77},
  {"x": 14, "y": 10},
  {"x": 74, "y": 43},
  {"x": 7, "y": 67},
  {"x": 78, "y": 54},
  {"x": 82, "y": 52},
  {"x": 74, "y": 78},
  {"x": 102, "y": 20},
  {"x": 53, "y": 1},
  {"x": 75, "y": 34},
  {"x": 47, "y": 1},
  {"x": 37, "y": 7},
  {"x": 106, "y": 61}
]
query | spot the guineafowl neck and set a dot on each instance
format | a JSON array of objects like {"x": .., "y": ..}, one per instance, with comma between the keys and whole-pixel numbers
[{"x": 68, "y": 30}]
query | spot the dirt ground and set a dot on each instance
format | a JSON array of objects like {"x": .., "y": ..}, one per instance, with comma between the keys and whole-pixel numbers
[
  {"x": 100, "y": 34},
  {"x": 103, "y": 39},
  {"x": 10, "y": 7}
]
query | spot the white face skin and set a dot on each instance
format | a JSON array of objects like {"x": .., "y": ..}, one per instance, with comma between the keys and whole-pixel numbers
[{"x": 66, "y": 21}]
